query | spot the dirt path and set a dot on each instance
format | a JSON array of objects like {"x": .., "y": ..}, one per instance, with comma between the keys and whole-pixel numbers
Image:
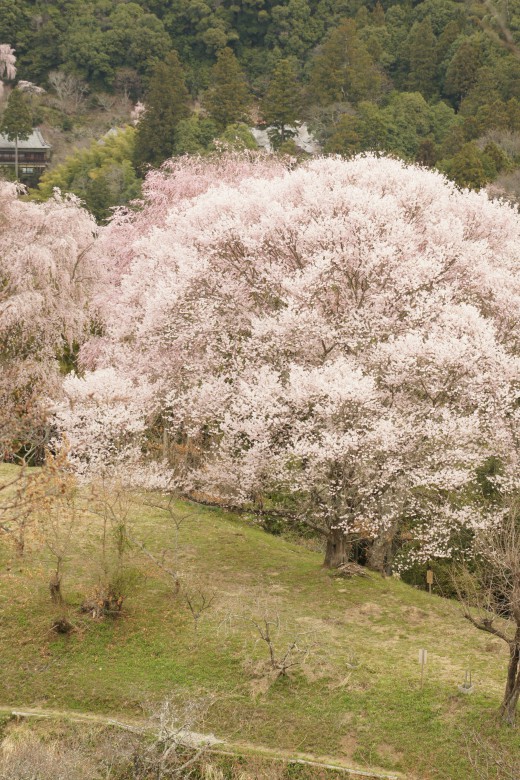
[{"x": 194, "y": 739}]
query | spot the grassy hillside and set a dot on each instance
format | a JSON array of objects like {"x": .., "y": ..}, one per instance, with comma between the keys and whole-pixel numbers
[{"x": 356, "y": 695}]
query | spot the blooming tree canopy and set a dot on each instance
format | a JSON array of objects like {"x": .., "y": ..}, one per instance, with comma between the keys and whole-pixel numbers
[
  {"x": 7, "y": 61},
  {"x": 7, "y": 64},
  {"x": 338, "y": 341},
  {"x": 46, "y": 278}
]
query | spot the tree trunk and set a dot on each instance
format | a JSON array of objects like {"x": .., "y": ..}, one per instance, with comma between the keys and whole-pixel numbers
[
  {"x": 338, "y": 548},
  {"x": 55, "y": 584},
  {"x": 380, "y": 553},
  {"x": 165, "y": 443},
  {"x": 512, "y": 691},
  {"x": 55, "y": 589},
  {"x": 16, "y": 157}
]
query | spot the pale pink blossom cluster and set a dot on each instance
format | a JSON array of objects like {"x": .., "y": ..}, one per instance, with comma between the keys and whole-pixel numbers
[
  {"x": 46, "y": 281},
  {"x": 105, "y": 417},
  {"x": 137, "y": 112},
  {"x": 7, "y": 64},
  {"x": 340, "y": 339},
  {"x": 30, "y": 88},
  {"x": 7, "y": 61}
]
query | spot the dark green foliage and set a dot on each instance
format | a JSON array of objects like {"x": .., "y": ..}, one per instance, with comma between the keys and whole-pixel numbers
[
  {"x": 348, "y": 57},
  {"x": 407, "y": 126},
  {"x": 486, "y": 479},
  {"x": 167, "y": 103},
  {"x": 228, "y": 99},
  {"x": 467, "y": 168},
  {"x": 16, "y": 122},
  {"x": 423, "y": 58},
  {"x": 194, "y": 135},
  {"x": 462, "y": 71},
  {"x": 282, "y": 104},
  {"x": 443, "y": 584},
  {"x": 238, "y": 137},
  {"x": 342, "y": 69},
  {"x": 102, "y": 175}
]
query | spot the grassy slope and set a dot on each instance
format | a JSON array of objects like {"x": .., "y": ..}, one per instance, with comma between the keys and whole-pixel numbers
[{"x": 374, "y": 714}]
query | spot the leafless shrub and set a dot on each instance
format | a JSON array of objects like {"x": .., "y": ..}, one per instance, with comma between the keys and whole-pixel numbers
[
  {"x": 506, "y": 186},
  {"x": 167, "y": 560},
  {"x": 175, "y": 750},
  {"x": 111, "y": 502},
  {"x": 507, "y": 140},
  {"x": 198, "y": 602},
  {"x": 283, "y": 656}
]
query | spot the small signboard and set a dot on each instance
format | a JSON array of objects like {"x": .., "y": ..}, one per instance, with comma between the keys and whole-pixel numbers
[{"x": 429, "y": 580}]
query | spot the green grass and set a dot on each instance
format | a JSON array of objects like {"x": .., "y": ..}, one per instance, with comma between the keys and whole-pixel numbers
[{"x": 374, "y": 715}]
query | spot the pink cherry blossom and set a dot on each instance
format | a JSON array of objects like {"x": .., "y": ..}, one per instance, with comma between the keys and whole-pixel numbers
[{"x": 338, "y": 340}]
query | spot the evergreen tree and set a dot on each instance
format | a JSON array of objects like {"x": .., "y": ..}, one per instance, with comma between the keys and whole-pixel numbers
[
  {"x": 194, "y": 135},
  {"x": 427, "y": 153},
  {"x": 423, "y": 58},
  {"x": 378, "y": 15},
  {"x": 467, "y": 168},
  {"x": 446, "y": 40},
  {"x": 513, "y": 113},
  {"x": 327, "y": 74},
  {"x": 228, "y": 100},
  {"x": 281, "y": 105},
  {"x": 346, "y": 138},
  {"x": 16, "y": 122},
  {"x": 462, "y": 71},
  {"x": 98, "y": 198},
  {"x": 342, "y": 69},
  {"x": 167, "y": 102}
]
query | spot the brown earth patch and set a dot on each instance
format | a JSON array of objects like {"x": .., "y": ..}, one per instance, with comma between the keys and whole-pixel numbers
[
  {"x": 389, "y": 753},
  {"x": 348, "y": 745}
]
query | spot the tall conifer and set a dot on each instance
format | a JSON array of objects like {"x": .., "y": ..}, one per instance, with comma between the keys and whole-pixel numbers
[
  {"x": 282, "y": 102},
  {"x": 228, "y": 99},
  {"x": 423, "y": 58},
  {"x": 167, "y": 101},
  {"x": 16, "y": 122}
]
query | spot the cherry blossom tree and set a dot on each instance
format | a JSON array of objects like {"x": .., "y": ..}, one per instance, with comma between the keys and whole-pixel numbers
[
  {"x": 7, "y": 64},
  {"x": 105, "y": 416},
  {"x": 337, "y": 342},
  {"x": 46, "y": 279}
]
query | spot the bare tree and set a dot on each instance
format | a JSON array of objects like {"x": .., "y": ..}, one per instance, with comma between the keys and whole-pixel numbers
[
  {"x": 198, "y": 603},
  {"x": 175, "y": 750},
  {"x": 111, "y": 502},
  {"x": 58, "y": 512},
  {"x": 490, "y": 595},
  {"x": 70, "y": 91},
  {"x": 106, "y": 101},
  {"x": 281, "y": 660},
  {"x": 168, "y": 560}
]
